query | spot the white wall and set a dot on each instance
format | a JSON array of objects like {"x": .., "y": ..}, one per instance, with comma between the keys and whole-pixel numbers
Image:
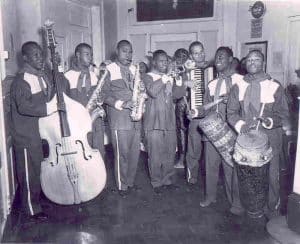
[{"x": 275, "y": 27}]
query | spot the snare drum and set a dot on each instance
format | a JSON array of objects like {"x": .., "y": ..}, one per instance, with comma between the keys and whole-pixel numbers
[
  {"x": 252, "y": 154},
  {"x": 220, "y": 135}
]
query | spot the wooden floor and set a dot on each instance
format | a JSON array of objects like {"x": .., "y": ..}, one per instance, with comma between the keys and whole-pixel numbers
[{"x": 142, "y": 217}]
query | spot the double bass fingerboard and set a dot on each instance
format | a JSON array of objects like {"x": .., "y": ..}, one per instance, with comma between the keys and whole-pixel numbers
[{"x": 197, "y": 94}]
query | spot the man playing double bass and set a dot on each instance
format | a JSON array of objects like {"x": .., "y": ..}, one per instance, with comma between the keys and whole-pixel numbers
[
  {"x": 260, "y": 98},
  {"x": 31, "y": 91}
]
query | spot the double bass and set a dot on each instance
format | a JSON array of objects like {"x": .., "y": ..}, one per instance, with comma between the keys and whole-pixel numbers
[{"x": 73, "y": 172}]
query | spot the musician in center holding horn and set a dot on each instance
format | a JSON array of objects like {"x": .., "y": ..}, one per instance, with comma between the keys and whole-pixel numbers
[
  {"x": 260, "y": 102},
  {"x": 125, "y": 133},
  {"x": 219, "y": 88},
  {"x": 83, "y": 82},
  {"x": 159, "y": 120}
]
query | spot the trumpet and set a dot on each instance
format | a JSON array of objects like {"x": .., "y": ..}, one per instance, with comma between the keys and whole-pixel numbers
[{"x": 175, "y": 69}]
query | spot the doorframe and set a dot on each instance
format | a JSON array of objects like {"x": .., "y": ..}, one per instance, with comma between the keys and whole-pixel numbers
[
  {"x": 287, "y": 47},
  {"x": 4, "y": 177}
]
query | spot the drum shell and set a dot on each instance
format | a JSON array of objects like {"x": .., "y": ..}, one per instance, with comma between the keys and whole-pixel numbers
[
  {"x": 252, "y": 155},
  {"x": 253, "y": 188},
  {"x": 220, "y": 135}
]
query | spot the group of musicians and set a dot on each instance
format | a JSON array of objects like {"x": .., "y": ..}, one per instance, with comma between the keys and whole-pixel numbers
[{"x": 166, "y": 87}]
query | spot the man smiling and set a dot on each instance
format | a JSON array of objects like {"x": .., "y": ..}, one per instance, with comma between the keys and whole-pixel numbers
[{"x": 260, "y": 98}]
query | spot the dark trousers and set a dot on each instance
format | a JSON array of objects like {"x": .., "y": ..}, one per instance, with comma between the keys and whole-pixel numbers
[
  {"x": 98, "y": 136},
  {"x": 275, "y": 138},
  {"x": 161, "y": 147},
  {"x": 28, "y": 165},
  {"x": 194, "y": 151},
  {"x": 126, "y": 146},
  {"x": 213, "y": 160}
]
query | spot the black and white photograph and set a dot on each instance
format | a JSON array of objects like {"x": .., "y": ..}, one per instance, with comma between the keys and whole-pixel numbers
[{"x": 150, "y": 121}]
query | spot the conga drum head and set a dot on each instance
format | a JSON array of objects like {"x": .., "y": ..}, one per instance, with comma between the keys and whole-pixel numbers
[{"x": 253, "y": 149}]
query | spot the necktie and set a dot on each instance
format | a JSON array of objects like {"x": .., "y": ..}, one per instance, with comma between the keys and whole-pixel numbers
[{"x": 84, "y": 81}]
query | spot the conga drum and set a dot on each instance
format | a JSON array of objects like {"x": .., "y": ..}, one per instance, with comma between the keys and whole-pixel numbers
[
  {"x": 220, "y": 135},
  {"x": 252, "y": 154}
]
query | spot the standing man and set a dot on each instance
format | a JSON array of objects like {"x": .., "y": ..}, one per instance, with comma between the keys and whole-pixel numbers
[
  {"x": 216, "y": 89},
  {"x": 125, "y": 133},
  {"x": 259, "y": 92},
  {"x": 194, "y": 147},
  {"x": 31, "y": 92},
  {"x": 181, "y": 55},
  {"x": 159, "y": 120},
  {"x": 82, "y": 83}
]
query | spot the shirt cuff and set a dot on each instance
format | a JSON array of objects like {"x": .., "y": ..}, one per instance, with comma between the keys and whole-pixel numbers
[
  {"x": 165, "y": 79},
  {"x": 239, "y": 125},
  {"x": 271, "y": 123},
  {"x": 178, "y": 81},
  {"x": 195, "y": 113},
  {"x": 118, "y": 105}
]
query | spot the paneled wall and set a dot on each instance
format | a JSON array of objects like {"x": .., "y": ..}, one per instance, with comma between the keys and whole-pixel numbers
[{"x": 168, "y": 35}]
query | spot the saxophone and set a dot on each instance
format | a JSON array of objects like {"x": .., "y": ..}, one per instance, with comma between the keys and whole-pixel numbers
[
  {"x": 138, "y": 97},
  {"x": 94, "y": 105}
]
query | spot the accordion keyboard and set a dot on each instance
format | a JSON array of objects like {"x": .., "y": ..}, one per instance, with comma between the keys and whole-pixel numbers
[{"x": 197, "y": 93}]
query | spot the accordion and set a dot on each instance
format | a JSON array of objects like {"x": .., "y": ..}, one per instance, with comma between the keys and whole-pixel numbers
[{"x": 200, "y": 76}]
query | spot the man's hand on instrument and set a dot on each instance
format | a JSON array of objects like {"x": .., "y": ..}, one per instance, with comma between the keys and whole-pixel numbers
[
  {"x": 189, "y": 84},
  {"x": 191, "y": 114},
  {"x": 248, "y": 126},
  {"x": 61, "y": 107},
  {"x": 266, "y": 122},
  {"x": 196, "y": 113},
  {"x": 128, "y": 105},
  {"x": 225, "y": 98}
]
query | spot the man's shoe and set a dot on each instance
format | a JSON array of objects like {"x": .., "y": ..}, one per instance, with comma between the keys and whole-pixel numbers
[
  {"x": 179, "y": 165},
  {"x": 134, "y": 188},
  {"x": 158, "y": 190},
  {"x": 206, "y": 203},
  {"x": 237, "y": 211},
  {"x": 39, "y": 217},
  {"x": 192, "y": 181},
  {"x": 123, "y": 193}
]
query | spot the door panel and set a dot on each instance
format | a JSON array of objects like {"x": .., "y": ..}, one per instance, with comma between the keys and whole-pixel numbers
[{"x": 171, "y": 42}]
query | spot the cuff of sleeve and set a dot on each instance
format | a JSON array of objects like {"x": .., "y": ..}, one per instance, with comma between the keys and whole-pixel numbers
[
  {"x": 164, "y": 79},
  {"x": 195, "y": 111},
  {"x": 271, "y": 123},
  {"x": 118, "y": 105},
  {"x": 178, "y": 81},
  {"x": 239, "y": 125}
]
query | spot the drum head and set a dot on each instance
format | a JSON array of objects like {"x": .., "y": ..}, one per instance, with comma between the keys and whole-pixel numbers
[{"x": 252, "y": 139}]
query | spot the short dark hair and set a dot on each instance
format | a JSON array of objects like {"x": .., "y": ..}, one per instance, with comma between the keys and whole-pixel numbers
[
  {"x": 193, "y": 44},
  {"x": 159, "y": 52},
  {"x": 122, "y": 43},
  {"x": 82, "y": 45},
  {"x": 226, "y": 49},
  {"x": 29, "y": 45},
  {"x": 257, "y": 51},
  {"x": 181, "y": 51}
]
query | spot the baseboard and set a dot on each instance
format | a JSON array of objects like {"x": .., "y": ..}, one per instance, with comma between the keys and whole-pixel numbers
[{"x": 293, "y": 212}]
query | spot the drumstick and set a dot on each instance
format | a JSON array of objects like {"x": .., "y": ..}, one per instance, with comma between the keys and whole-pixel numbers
[
  {"x": 260, "y": 114},
  {"x": 208, "y": 105},
  {"x": 212, "y": 104}
]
